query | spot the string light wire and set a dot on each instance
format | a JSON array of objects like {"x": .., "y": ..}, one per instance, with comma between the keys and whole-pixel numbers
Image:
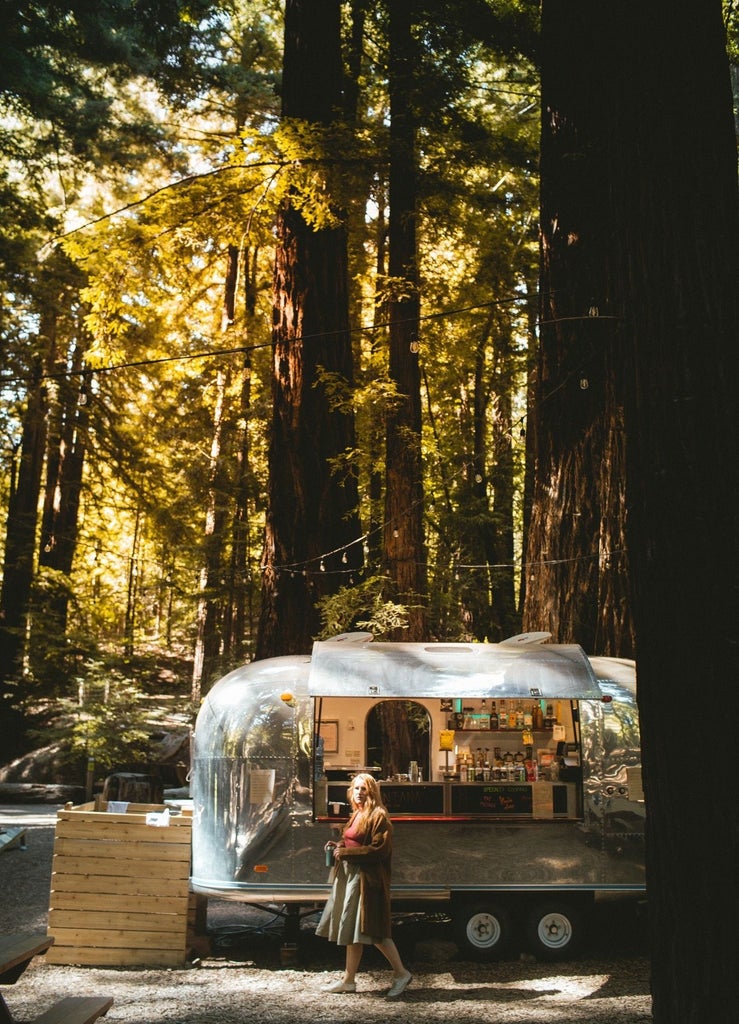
[
  {"x": 243, "y": 349},
  {"x": 297, "y": 568}
]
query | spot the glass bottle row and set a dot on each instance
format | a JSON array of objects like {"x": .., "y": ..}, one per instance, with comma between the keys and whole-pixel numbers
[{"x": 508, "y": 715}]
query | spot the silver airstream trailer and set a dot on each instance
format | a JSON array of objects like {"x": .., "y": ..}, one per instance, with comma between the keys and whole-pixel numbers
[{"x": 521, "y": 798}]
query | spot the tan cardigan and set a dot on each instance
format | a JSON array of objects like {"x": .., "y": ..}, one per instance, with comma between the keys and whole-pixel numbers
[{"x": 374, "y": 862}]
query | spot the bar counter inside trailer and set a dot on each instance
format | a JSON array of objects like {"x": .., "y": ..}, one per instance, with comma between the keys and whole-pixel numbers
[{"x": 451, "y": 800}]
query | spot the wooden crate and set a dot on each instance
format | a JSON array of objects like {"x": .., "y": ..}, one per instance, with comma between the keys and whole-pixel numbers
[{"x": 120, "y": 888}]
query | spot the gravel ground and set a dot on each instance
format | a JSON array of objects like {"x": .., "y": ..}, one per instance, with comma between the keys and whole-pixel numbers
[{"x": 244, "y": 979}]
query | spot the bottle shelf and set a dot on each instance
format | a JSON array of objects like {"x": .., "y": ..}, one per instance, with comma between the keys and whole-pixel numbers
[{"x": 508, "y": 732}]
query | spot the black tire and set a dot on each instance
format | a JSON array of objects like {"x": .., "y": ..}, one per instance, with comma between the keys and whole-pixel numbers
[
  {"x": 554, "y": 929},
  {"x": 482, "y": 929}
]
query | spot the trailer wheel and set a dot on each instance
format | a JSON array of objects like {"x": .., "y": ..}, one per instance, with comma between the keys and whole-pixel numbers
[
  {"x": 482, "y": 929},
  {"x": 554, "y": 930}
]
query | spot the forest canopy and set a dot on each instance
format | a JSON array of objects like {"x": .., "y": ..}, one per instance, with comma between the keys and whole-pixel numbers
[{"x": 147, "y": 152}]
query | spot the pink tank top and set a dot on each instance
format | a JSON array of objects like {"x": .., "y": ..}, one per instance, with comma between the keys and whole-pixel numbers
[{"x": 352, "y": 836}]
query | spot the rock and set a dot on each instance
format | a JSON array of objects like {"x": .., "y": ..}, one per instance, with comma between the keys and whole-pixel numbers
[{"x": 40, "y": 793}]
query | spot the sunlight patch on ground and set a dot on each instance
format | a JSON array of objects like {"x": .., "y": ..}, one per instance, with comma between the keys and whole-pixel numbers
[{"x": 23, "y": 814}]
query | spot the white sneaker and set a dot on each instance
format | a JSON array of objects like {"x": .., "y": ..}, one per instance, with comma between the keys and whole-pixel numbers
[
  {"x": 400, "y": 985},
  {"x": 342, "y": 986}
]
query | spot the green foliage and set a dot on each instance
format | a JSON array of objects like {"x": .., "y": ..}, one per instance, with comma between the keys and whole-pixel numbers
[
  {"x": 325, "y": 164},
  {"x": 361, "y": 607},
  {"x": 113, "y": 709},
  {"x": 108, "y": 721},
  {"x": 731, "y": 21},
  {"x": 176, "y": 189}
]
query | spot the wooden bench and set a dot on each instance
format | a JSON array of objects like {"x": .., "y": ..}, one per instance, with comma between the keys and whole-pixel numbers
[
  {"x": 12, "y": 837},
  {"x": 75, "y": 1010},
  {"x": 16, "y": 953}
]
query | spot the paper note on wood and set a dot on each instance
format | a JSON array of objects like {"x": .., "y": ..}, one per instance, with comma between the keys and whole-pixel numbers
[{"x": 542, "y": 800}]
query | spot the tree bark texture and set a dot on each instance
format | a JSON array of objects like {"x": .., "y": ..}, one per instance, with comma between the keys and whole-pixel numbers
[
  {"x": 20, "y": 542},
  {"x": 675, "y": 208},
  {"x": 209, "y": 619},
  {"x": 66, "y": 448},
  {"x": 660, "y": 114},
  {"x": 312, "y": 537},
  {"x": 404, "y": 554},
  {"x": 484, "y": 517},
  {"x": 576, "y": 564}
]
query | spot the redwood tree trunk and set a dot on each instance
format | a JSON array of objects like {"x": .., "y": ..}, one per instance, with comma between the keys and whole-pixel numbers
[
  {"x": 405, "y": 557},
  {"x": 18, "y": 565},
  {"x": 677, "y": 225},
  {"x": 651, "y": 111},
  {"x": 206, "y": 658},
  {"x": 577, "y": 569},
  {"x": 312, "y": 536}
]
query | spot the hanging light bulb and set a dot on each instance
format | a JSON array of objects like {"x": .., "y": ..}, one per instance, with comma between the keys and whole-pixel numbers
[{"x": 584, "y": 383}]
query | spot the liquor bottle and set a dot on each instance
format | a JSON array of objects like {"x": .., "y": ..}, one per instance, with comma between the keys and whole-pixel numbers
[
  {"x": 519, "y": 716},
  {"x": 512, "y": 717},
  {"x": 538, "y": 716},
  {"x": 549, "y": 718},
  {"x": 528, "y": 719},
  {"x": 502, "y": 716},
  {"x": 484, "y": 720},
  {"x": 493, "y": 716}
]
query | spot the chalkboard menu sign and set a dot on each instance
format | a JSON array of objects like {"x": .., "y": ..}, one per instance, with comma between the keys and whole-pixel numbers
[
  {"x": 491, "y": 799},
  {"x": 413, "y": 798}
]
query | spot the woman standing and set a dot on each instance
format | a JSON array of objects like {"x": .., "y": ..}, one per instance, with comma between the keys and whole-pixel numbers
[{"x": 357, "y": 912}]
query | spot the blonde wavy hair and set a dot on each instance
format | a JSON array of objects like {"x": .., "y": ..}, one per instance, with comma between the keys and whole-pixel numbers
[{"x": 374, "y": 797}]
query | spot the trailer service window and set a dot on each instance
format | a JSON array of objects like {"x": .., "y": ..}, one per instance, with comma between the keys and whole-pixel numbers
[{"x": 509, "y": 758}]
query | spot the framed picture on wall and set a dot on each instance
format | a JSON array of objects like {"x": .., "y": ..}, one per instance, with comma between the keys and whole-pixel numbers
[{"x": 329, "y": 732}]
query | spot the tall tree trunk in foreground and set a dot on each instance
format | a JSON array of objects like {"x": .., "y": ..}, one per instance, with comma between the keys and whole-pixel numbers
[
  {"x": 312, "y": 535},
  {"x": 577, "y": 580},
  {"x": 660, "y": 116},
  {"x": 675, "y": 202},
  {"x": 405, "y": 557}
]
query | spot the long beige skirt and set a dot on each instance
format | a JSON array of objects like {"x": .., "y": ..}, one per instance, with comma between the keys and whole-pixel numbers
[{"x": 340, "y": 918}]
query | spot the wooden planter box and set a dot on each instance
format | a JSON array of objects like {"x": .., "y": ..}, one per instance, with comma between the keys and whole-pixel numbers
[{"x": 120, "y": 888}]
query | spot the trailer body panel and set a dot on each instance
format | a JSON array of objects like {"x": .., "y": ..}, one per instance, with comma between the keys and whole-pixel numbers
[{"x": 256, "y": 834}]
